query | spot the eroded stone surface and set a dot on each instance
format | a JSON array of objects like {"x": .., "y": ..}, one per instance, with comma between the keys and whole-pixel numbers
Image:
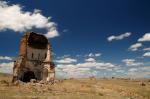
[{"x": 34, "y": 60}]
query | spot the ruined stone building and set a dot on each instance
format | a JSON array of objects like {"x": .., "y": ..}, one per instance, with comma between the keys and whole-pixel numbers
[{"x": 34, "y": 60}]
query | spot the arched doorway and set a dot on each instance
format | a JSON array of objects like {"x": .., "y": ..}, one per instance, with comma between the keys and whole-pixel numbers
[{"x": 28, "y": 76}]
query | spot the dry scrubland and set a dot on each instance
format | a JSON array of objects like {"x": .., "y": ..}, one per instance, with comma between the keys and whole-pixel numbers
[{"x": 76, "y": 89}]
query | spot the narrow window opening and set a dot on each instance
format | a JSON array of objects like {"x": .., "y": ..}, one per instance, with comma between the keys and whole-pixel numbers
[
  {"x": 32, "y": 55},
  {"x": 38, "y": 56}
]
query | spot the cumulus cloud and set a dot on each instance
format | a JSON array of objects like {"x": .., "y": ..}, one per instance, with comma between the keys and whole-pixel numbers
[
  {"x": 14, "y": 18},
  {"x": 135, "y": 47},
  {"x": 91, "y": 66},
  {"x": 139, "y": 72},
  {"x": 98, "y": 65},
  {"x": 66, "y": 60},
  {"x": 98, "y": 54},
  {"x": 132, "y": 69},
  {"x": 147, "y": 54},
  {"x": 84, "y": 69},
  {"x": 85, "y": 66},
  {"x": 146, "y": 68},
  {"x": 90, "y": 60},
  {"x": 146, "y": 37},
  {"x": 6, "y": 67},
  {"x": 119, "y": 37},
  {"x": 5, "y": 58},
  {"x": 132, "y": 62},
  {"x": 94, "y": 54},
  {"x": 147, "y": 49},
  {"x": 120, "y": 71}
]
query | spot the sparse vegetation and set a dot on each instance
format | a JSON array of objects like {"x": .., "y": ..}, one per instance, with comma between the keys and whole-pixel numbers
[{"x": 76, "y": 89}]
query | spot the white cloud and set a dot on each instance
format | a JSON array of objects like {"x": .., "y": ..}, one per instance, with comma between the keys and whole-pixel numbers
[
  {"x": 120, "y": 71},
  {"x": 5, "y": 58},
  {"x": 91, "y": 55},
  {"x": 139, "y": 72},
  {"x": 140, "y": 69},
  {"x": 66, "y": 60},
  {"x": 146, "y": 37},
  {"x": 92, "y": 67},
  {"x": 90, "y": 60},
  {"x": 6, "y": 67},
  {"x": 146, "y": 68},
  {"x": 14, "y": 18},
  {"x": 89, "y": 67},
  {"x": 119, "y": 37},
  {"x": 98, "y": 54},
  {"x": 64, "y": 56},
  {"x": 86, "y": 65},
  {"x": 132, "y": 69},
  {"x": 132, "y": 62},
  {"x": 97, "y": 65},
  {"x": 94, "y": 54},
  {"x": 135, "y": 46},
  {"x": 147, "y": 54},
  {"x": 84, "y": 69},
  {"x": 147, "y": 49}
]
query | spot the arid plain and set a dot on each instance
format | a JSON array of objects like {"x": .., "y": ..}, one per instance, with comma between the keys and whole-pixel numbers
[{"x": 89, "y": 88}]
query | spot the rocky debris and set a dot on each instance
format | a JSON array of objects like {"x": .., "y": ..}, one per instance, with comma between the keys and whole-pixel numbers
[
  {"x": 106, "y": 89},
  {"x": 92, "y": 78},
  {"x": 58, "y": 81},
  {"x": 33, "y": 80},
  {"x": 142, "y": 84},
  {"x": 42, "y": 82},
  {"x": 71, "y": 78},
  {"x": 112, "y": 77},
  {"x": 4, "y": 82}
]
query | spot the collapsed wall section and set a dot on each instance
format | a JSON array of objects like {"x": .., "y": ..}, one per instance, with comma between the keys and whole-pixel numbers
[{"x": 34, "y": 60}]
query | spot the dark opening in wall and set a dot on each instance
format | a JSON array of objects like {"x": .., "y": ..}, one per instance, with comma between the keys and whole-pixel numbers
[
  {"x": 38, "y": 56},
  {"x": 27, "y": 76},
  {"x": 37, "y": 41},
  {"x": 32, "y": 55}
]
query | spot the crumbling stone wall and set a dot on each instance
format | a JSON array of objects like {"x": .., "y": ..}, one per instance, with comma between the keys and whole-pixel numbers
[{"x": 34, "y": 60}]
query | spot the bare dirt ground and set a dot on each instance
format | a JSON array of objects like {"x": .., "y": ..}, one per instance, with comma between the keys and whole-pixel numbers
[{"x": 76, "y": 89}]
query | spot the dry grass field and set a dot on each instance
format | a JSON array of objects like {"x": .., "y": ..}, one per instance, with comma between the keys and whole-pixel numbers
[{"x": 76, "y": 89}]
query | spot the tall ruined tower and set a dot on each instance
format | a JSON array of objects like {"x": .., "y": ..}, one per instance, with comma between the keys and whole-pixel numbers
[{"x": 34, "y": 60}]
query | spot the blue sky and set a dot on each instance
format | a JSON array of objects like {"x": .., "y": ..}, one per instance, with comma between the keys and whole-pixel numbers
[{"x": 80, "y": 33}]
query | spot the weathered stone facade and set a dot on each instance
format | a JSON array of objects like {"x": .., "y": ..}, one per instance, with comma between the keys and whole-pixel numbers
[{"x": 34, "y": 60}]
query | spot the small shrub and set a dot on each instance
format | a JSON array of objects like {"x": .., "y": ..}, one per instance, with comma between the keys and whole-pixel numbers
[
  {"x": 142, "y": 84},
  {"x": 100, "y": 94},
  {"x": 4, "y": 82}
]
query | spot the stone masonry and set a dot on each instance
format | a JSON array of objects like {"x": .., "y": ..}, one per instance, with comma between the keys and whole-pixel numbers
[{"x": 34, "y": 60}]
